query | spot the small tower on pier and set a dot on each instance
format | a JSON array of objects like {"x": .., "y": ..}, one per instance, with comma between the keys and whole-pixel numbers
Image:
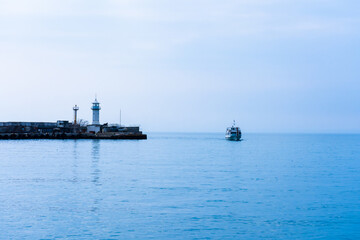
[
  {"x": 75, "y": 108},
  {"x": 96, "y": 112},
  {"x": 95, "y": 126}
]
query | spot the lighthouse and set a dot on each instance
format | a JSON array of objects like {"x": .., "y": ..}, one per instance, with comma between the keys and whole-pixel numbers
[
  {"x": 96, "y": 112},
  {"x": 75, "y": 108},
  {"x": 95, "y": 126}
]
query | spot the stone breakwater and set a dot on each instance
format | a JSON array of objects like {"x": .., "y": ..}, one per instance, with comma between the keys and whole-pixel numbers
[{"x": 135, "y": 136}]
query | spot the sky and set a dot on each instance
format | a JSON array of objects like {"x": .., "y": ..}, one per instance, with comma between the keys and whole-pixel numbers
[{"x": 274, "y": 66}]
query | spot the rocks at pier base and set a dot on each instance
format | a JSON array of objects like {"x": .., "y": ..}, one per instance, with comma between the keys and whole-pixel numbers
[{"x": 135, "y": 136}]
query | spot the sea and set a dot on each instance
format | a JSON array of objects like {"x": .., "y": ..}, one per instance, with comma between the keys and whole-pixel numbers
[{"x": 182, "y": 186}]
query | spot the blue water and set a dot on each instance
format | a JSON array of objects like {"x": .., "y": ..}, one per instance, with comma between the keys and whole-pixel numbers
[{"x": 182, "y": 186}]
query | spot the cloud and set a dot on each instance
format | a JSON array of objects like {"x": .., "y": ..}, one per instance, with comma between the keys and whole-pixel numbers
[{"x": 196, "y": 19}]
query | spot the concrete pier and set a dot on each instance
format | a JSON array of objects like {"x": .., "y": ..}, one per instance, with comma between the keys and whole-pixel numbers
[
  {"x": 134, "y": 136},
  {"x": 63, "y": 129}
]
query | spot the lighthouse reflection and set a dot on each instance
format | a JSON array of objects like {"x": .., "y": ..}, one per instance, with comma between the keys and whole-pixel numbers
[
  {"x": 95, "y": 175},
  {"x": 95, "y": 154},
  {"x": 75, "y": 161}
]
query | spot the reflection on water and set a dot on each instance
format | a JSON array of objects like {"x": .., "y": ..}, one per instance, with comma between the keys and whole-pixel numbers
[
  {"x": 95, "y": 154},
  {"x": 75, "y": 161},
  {"x": 95, "y": 173}
]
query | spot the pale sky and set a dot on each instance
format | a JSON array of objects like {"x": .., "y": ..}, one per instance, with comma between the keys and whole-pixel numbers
[{"x": 184, "y": 65}]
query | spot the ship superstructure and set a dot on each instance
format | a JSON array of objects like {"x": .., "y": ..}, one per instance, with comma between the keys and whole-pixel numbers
[{"x": 233, "y": 133}]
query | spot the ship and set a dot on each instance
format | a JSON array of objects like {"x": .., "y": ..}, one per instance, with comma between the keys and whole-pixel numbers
[{"x": 233, "y": 133}]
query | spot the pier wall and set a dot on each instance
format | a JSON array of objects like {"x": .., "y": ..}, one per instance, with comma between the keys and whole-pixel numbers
[
  {"x": 64, "y": 130},
  {"x": 18, "y": 136}
]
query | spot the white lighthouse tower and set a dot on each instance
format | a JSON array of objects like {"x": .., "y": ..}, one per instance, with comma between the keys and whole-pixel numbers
[
  {"x": 95, "y": 126},
  {"x": 96, "y": 112}
]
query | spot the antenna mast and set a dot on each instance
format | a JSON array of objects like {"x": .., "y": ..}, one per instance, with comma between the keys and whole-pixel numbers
[{"x": 120, "y": 117}]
